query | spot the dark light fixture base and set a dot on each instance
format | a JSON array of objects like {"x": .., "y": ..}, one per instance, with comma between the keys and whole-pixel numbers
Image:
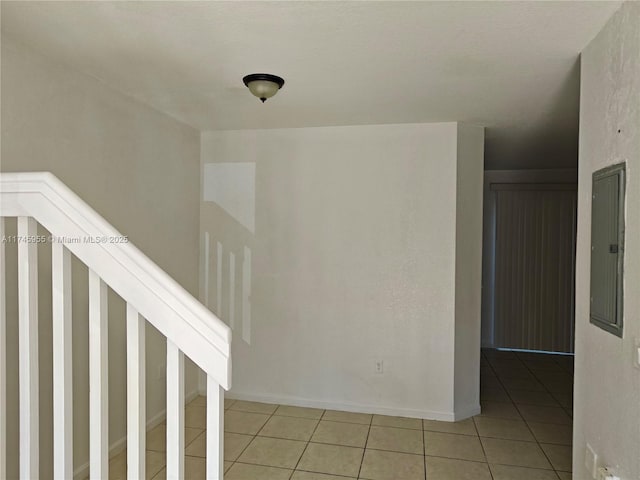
[
  {"x": 263, "y": 85},
  {"x": 263, "y": 76}
]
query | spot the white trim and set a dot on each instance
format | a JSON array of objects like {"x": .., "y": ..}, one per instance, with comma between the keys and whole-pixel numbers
[
  {"x": 175, "y": 412},
  {"x": 347, "y": 407},
  {"x": 215, "y": 430},
  {"x": 28, "y": 350},
  {"x": 61, "y": 317},
  {"x": 136, "y": 395},
  {"x": 3, "y": 358},
  {"x": 98, "y": 378},
  {"x": 467, "y": 412}
]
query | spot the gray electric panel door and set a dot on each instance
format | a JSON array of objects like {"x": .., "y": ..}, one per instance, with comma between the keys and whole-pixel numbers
[{"x": 607, "y": 248}]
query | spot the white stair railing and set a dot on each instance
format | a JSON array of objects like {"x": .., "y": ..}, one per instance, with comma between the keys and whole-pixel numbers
[{"x": 151, "y": 295}]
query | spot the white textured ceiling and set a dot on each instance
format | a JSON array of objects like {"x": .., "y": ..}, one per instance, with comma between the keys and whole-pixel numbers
[{"x": 510, "y": 66}]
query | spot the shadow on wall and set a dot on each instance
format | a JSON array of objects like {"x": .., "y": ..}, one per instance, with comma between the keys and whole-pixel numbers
[
  {"x": 228, "y": 215},
  {"x": 540, "y": 148}
]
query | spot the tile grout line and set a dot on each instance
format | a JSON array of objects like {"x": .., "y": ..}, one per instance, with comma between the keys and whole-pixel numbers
[
  {"x": 520, "y": 412},
  {"x": 295, "y": 468},
  {"x": 473, "y": 419},
  {"x": 254, "y": 436},
  {"x": 534, "y": 436},
  {"x": 424, "y": 448},
  {"x": 364, "y": 450}
]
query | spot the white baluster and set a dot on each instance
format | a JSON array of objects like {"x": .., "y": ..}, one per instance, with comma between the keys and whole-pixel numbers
[
  {"x": 98, "y": 379},
  {"x": 232, "y": 290},
  {"x": 3, "y": 358},
  {"x": 28, "y": 347},
  {"x": 62, "y": 362},
  {"x": 175, "y": 412},
  {"x": 136, "y": 399},
  {"x": 215, "y": 430}
]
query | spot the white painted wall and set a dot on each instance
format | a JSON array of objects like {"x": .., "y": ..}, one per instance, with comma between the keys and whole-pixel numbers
[
  {"x": 468, "y": 268},
  {"x": 136, "y": 167},
  {"x": 607, "y": 386},
  {"x": 352, "y": 261}
]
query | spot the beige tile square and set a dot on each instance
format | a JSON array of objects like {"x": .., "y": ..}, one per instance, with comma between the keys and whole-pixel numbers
[
  {"x": 302, "y": 412},
  {"x": 157, "y": 437},
  {"x": 552, "y": 433},
  {"x": 198, "y": 447},
  {"x": 503, "y": 428},
  {"x": 300, "y": 475},
  {"x": 241, "y": 471},
  {"x": 228, "y": 402},
  {"x": 380, "y": 465},
  {"x": 537, "y": 413},
  {"x": 244, "y": 422},
  {"x": 512, "y": 452},
  {"x": 399, "y": 422},
  {"x": 565, "y": 475},
  {"x": 506, "y": 472},
  {"x": 463, "y": 427},
  {"x": 254, "y": 407},
  {"x": 449, "y": 445},
  {"x": 331, "y": 459},
  {"x": 273, "y": 452},
  {"x": 528, "y": 397},
  {"x": 195, "y": 416},
  {"x": 339, "y": 433},
  {"x": 396, "y": 440},
  {"x": 234, "y": 444},
  {"x": 499, "y": 410},
  {"x": 227, "y": 466},
  {"x": 293, "y": 428},
  {"x": 348, "y": 417},
  {"x": 560, "y": 456},
  {"x": 194, "y": 469},
  {"x": 449, "y": 469}
]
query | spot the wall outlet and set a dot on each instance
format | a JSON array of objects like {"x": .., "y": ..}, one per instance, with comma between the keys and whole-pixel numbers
[
  {"x": 378, "y": 366},
  {"x": 590, "y": 460}
]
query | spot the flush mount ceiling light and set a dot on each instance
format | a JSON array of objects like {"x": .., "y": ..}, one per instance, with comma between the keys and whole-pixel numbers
[{"x": 263, "y": 85}]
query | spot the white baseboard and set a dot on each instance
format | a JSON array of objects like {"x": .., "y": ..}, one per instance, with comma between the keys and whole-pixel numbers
[
  {"x": 353, "y": 407},
  {"x": 467, "y": 412},
  {"x": 82, "y": 472}
]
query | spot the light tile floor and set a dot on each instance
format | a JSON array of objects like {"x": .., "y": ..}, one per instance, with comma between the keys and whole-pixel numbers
[{"x": 523, "y": 433}]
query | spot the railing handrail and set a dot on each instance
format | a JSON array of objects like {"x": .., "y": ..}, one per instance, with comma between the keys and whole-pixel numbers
[{"x": 129, "y": 272}]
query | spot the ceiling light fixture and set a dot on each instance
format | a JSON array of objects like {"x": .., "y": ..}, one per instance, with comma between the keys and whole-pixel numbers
[{"x": 263, "y": 85}]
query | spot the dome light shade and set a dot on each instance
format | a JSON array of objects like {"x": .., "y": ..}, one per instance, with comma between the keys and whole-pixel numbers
[{"x": 263, "y": 85}]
